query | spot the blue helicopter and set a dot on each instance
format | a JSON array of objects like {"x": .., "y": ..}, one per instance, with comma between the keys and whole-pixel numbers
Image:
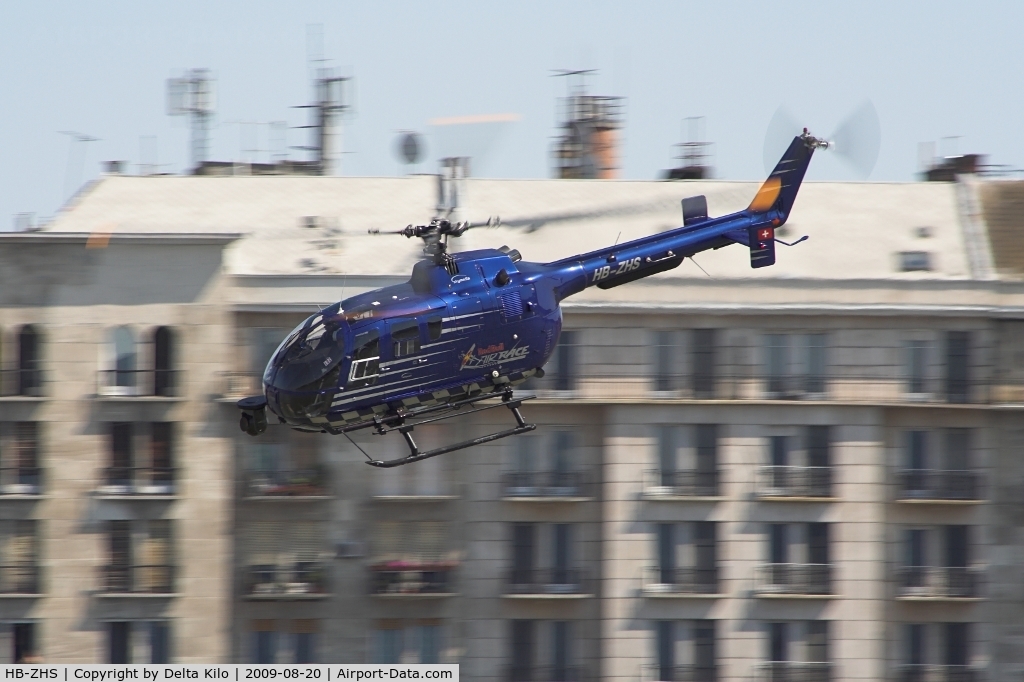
[{"x": 469, "y": 326}]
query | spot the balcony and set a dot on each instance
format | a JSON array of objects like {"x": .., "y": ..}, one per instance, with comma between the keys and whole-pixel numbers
[
  {"x": 939, "y": 583},
  {"x": 293, "y": 484},
  {"x": 794, "y": 671},
  {"x": 551, "y": 486},
  {"x": 138, "y": 483},
  {"x": 938, "y": 673},
  {"x": 794, "y": 483},
  {"x": 18, "y": 482},
  {"x": 679, "y": 485},
  {"x": 120, "y": 580},
  {"x": 22, "y": 384},
  {"x": 550, "y": 673},
  {"x": 299, "y": 581},
  {"x": 680, "y": 582},
  {"x": 402, "y": 579},
  {"x": 866, "y": 375},
  {"x": 19, "y": 580},
  {"x": 238, "y": 385},
  {"x": 678, "y": 673},
  {"x": 140, "y": 383},
  {"x": 800, "y": 581},
  {"x": 938, "y": 487},
  {"x": 547, "y": 584}
]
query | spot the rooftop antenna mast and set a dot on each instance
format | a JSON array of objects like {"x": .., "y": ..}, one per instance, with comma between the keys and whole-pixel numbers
[
  {"x": 192, "y": 95},
  {"x": 588, "y": 144},
  {"x": 331, "y": 102},
  {"x": 73, "y": 172}
]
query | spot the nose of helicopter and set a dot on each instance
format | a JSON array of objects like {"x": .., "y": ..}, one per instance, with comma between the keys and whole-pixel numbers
[{"x": 302, "y": 373}]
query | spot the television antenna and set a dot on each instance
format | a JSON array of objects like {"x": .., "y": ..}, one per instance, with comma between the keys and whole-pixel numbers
[{"x": 192, "y": 95}]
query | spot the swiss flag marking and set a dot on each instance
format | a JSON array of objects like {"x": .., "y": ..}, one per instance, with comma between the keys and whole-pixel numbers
[{"x": 766, "y": 233}]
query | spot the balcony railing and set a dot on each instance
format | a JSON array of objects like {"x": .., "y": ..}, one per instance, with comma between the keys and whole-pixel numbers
[
  {"x": 937, "y": 485},
  {"x": 939, "y": 582},
  {"x": 400, "y": 578},
  {"x": 19, "y": 579},
  {"x": 27, "y": 383},
  {"x": 662, "y": 484},
  {"x": 139, "y": 579},
  {"x": 550, "y": 673},
  {"x": 544, "y": 484},
  {"x": 299, "y": 580},
  {"x": 794, "y": 671},
  {"x": 235, "y": 385},
  {"x": 793, "y": 481},
  {"x": 291, "y": 483},
  {"x": 667, "y": 582},
  {"x": 809, "y": 580},
  {"x": 678, "y": 673},
  {"x": 551, "y": 582},
  {"x": 741, "y": 372},
  {"x": 138, "y": 481},
  {"x": 21, "y": 481},
  {"x": 938, "y": 673},
  {"x": 165, "y": 383}
]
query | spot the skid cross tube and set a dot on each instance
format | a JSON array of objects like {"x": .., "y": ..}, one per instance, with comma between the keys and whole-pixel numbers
[{"x": 414, "y": 452}]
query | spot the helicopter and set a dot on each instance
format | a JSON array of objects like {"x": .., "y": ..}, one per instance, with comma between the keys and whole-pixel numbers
[{"x": 470, "y": 326}]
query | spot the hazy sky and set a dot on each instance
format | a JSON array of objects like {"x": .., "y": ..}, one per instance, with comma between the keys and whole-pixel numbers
[{"x": 933, "y": 69}]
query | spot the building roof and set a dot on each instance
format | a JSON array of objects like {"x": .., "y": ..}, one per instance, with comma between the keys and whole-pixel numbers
[{"x": 318, "y": 225}]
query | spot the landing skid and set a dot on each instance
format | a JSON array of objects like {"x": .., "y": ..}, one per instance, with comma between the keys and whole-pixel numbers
[{"x": 400, "y": 422}]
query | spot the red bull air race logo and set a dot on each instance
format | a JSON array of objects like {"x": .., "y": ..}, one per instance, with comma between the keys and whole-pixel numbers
[{"x": 495, "y": 354}]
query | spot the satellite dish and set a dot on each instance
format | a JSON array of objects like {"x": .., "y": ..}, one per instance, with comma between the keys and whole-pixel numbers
[{"x": 410, "y": 148}]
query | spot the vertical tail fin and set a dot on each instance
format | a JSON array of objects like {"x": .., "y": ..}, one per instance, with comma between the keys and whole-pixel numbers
[{"x": 779, "y": 190}]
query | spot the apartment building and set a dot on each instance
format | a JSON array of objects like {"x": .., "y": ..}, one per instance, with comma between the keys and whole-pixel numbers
[{"x": 806, "y": 472}]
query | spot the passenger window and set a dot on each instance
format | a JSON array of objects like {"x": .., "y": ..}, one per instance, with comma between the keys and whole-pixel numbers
[
  {"x": 434, "y": 328},
  {"x": 405, "y": 338},
  {"x": 365, "y": 360}
]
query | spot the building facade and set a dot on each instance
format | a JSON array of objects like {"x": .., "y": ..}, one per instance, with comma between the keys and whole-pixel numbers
[{"x": 806, "y": 474}]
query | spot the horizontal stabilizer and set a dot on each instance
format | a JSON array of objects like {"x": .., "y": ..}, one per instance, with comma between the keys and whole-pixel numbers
[
  {"x": 695, "y": 210},
  {"x": 762, "y": 246}
]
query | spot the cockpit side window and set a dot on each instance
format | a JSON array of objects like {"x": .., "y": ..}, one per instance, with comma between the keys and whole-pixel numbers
[
  {"x": 405, "y": 338},
  {"x": 365, "y": 359},
  {"x": 434, "y": 327}
]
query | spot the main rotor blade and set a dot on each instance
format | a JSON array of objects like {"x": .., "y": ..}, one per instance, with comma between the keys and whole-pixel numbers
[
  {"x": 781, "y": 130},
  {"x": 858, "y": 139}
]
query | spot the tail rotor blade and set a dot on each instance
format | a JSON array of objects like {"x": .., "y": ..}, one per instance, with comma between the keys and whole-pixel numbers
[
  {"x": 858, "y": 139},
  {"x": 781, "y": 130}
]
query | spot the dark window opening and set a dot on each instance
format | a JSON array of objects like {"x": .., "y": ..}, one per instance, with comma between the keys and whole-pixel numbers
[
  {"x": 163, "y": 362},
  {"x": 704, "y": 363},
  {"x": 666, "y": 651},
  {"x": 523, "y": 536},
  {"x": 957, "y": 367},
  {"x": 26, "y": 456},
  {"x": 664, "y": 376},
  {"x": 162, "y": 453},
  {"x": 565, "y": 362},
  {"x": 30, "y": 374},
  {"x": 120, "y": 639},
  {"x": 121, "y": 454},
  {"x": 434, "y": 328},
  {"x": 522, "y": 650},
  {"x": 159, "y": 642},
  {"x": 25, "y": 643},
  {"x": 365, "y": 360}
]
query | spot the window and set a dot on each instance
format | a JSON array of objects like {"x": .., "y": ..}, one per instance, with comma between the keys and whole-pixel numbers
[
  {"x": 19, "y": 571},
  {"x": 778, "y": 642},
  {"x": 664, "y": 355},
  {"x": 122, "y": 341},
  {"x": 119, "y": 647},
  {"x": 121, "y": 469},
  {"x": 707, "y": 459},
  {"x": 265, "y": 646},
  {"x": 523, "y": 540},
  {"x": 957, "y": 367},
  {"x": 560, "y": 553},
  {"x": 917, "y": 364},
  {"x": 24, "y": 636},
  {"x": 365, "y": 360},
  {"x": 666, "y": 650},
  {"x": 19, "y": 461},
  {"x": 304, "y": 640},
  {"x": 434, "y": 327},
  {"x": 915, "y": 634},
  {"x": 915, "y": 261},
  {"x": 139, "y": 557},
  {"x": 30, "y": 374},
  {"x": 565, "y": 362},
  {"x": 405, "y": 338},
  {"x": 161, "y": 449},
  {"x": 281, "y": 557},
  {"x": 958, "y": 448},
  {"x": 956, "y": 644},
  {"x": 159, "y": 642},
  {"x": 777, "y": 349},
  {"x": 704, "y": 342},
  {"x": 408, "y": 641},
  {"x": 814, "y": 379},
  {"x": 521, "y": 654},
  {"x": 163, "y": 362}
]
